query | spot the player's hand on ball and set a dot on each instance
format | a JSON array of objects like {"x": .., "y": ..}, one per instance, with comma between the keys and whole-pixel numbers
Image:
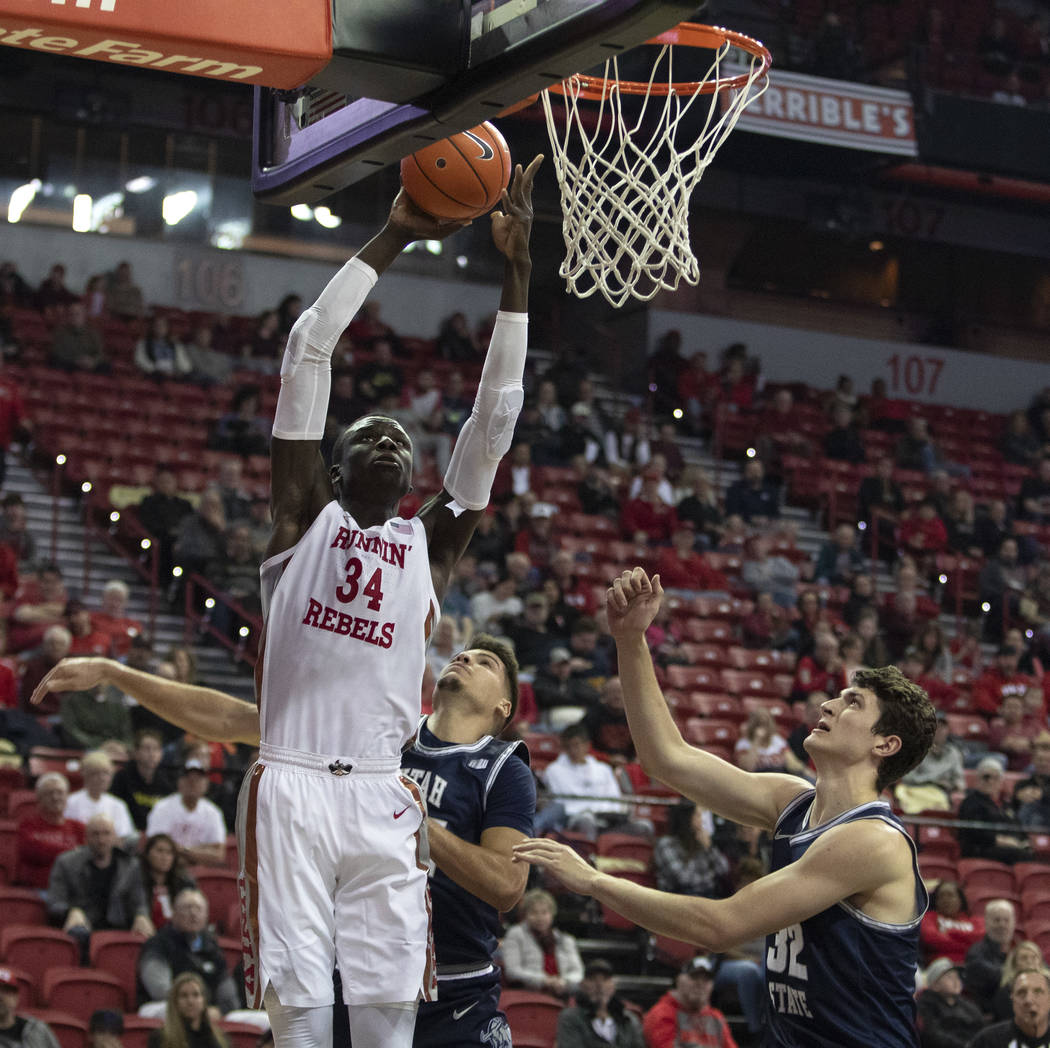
[
  {"x": 70, "y": 675},
  {"x": 416, "y": 224},
  {"x": 512, "y": 226},
  {"x": 573, "y": 871},
  {"x": 632, "y": 602}
]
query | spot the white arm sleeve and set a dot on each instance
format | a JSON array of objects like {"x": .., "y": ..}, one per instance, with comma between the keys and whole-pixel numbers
[
  {"x": 487, "y": 434},
  {"x": 306, "y": 370}
]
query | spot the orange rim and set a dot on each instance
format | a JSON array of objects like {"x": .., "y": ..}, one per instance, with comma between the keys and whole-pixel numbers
[{"x": 688, "y": 34}]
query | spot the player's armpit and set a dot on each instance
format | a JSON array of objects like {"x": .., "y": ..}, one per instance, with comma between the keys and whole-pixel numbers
[
  {"x": 299, "y": 489},
  {"x": 449, "y": 529},
  {"x": 486, "y": 869}
]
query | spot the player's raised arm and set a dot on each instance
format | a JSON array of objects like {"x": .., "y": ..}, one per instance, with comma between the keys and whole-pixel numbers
[
  {"x": 450, "y": 517},
  {"x": 300, "y": 486},
  {"x": 755, "y": 800},
  {"x": 211, "y": 714}
]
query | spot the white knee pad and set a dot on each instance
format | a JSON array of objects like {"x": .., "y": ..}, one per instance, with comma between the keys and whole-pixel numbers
[{"x": 382, "y": 1025}]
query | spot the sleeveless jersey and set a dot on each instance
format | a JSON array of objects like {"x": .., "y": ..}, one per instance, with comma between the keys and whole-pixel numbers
[
  {"x": 347, "y": 613},
  {"x": 841, "y": 979},
  {"x": 468, "y": 788}
]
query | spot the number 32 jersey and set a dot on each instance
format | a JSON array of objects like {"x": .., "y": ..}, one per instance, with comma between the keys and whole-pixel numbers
[
  {"x": 840, "y": 979},
  {"x": 347, "y": 614}
]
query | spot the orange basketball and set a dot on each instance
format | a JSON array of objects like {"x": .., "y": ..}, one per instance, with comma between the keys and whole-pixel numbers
[{"x": 460, "y": 177}]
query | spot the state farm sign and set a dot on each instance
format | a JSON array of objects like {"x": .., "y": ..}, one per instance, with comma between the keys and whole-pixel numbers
[{"x": 834, "y": 113}]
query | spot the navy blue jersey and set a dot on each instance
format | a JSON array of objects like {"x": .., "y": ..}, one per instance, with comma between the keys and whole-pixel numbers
[
  {"x": 841, "y": 979},
  {"x": 469, "y": 789}
]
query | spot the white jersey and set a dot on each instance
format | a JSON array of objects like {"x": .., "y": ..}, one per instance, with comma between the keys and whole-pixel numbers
[{"x": 348, "y": 612}]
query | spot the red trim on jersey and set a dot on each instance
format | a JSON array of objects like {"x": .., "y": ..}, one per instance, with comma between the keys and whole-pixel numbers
[
  {"x": 248, "y": 886},
  {"x": 428, "y": 991}
]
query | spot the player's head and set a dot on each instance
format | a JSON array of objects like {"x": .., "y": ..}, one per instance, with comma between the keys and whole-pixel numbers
[
  {"x": 486, "y": 672},
  {"x": 374, "y": 452}
]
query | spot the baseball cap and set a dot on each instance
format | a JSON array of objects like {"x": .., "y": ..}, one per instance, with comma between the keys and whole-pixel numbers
[
  {"x": 106, "y": 1021},
  {"x": 194, "y": 765},
  {"x": 7, "y": 978},
  {"x": 559, "y": 655},
  {"x": 700, "y": 966},
  {"x": 598, "y": 966},
  {"x": 936, "y": 969}
]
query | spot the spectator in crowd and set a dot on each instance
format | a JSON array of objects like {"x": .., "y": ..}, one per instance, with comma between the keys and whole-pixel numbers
[
  {"x": 777, "y": 433},
  {"x": 1000, "y": 680},
  {"x": 488, "y": 608},
  {"x": 752, "y": 497},
  {"x": 159, "y": 355},
  {"x": 424, "y": 420},
  {"x": 685, "y": 861},
  {"x": 700, "y": 506},
  {"x": 105, "y": 1028},
  {"x": 161, "y": 512},
  {"x": 90, "y": 719},
  {"x": 455, "y": 405},
  {"x": 35, "y": 665},
  {"x": 940, "y": 773},
  {"x": 52, "y": 297},
  {"x": 576, "y": 773},
  {"x": 607, "y": 728},
  {"x": 261, "y": 352},
  {"x": 97, "y": 887},
  {"x": 551, "y": 413},
  {"x": 44, "y": 835},
  {"x": 39, "y": 604},
  {"x": 538, "y": 956},
  {"x": 946, "y": 1019},
  {"x": 1034, "y": 500},
  {"x": 1031, "y": 803},
  {"x": 112, "y": 617},
  {"x": 923, "y": 534},
  {"x": 1030, "y": 995},
  {"x": 592, "y": 651},
  {"x": 880, "y": 503},
  {"x": 186, "y": 945},
  {"x": 983, "y": 804},
  {"x": 14, "y": 289},
  {"x": 766, "y": 571},
  {"x": 648, "y": 518},
  {"x": 666, "y": 446},
  {"x": 190, "y": 819},
  {"x": 529, "y": 632},
  {"x": 86, "y": 639},
  {"x": 123, "y": 296},
  {"x": 575, "y": 593},
  {"x": 735, "y": 388},
  {"x": 985, "y": 959},
  {"x": 598, "y": 1017},
  {"x": 201, "y": 538},
  {"x": 163, "y": 876},
  {"x": 666, "y": 365},
  {"x": 95, "y": 799},
  {"x": 368, "y": 325},
  {"x": 455, "y": 341},
  {"x": 627, "y": 447},
  {"x": 948, "y": 929},
  {"x": 993, "y": 527},
  {"x": 684, "y": 1014},
  {"x": 20, "y": 1031},
  {"x": 142, "y": 782},
  {"x": 1001, "y": 583},
  {"x": 960, "y": 521},
  {"x": 682, "y": 568},
  {"x": 821, "y": 670},
  {"x": 843, "y": 442},
  {"x": 768, "y": 625},
  {"x": 344, "y": 404},
  {"x": 381, "y": 377},
  {"x": 936, "y": 653},
  {"x": 535, "y": 539},
  {"x": 288, "y": 310},
  {"x": 883, "y": 412},
  {"x": 555, "y": 684},
  {"x": 14, "y": 529},
  {"x": 242, "y": 430},
  {"x": 236, "y": 574},
  {"x": 229, "y": 482},
  {"x": 762, "y": 748},
  {"x": 597, "y": 492},
  {"x": 514, "y": 473},
  {"x": 1012, "y": 733},
  {"x": 1020, "y": 444},
  {"x": 876, "y": 651},
  {"x": 1026, "y": 956},
  {"x": 209, "y": 367},
  {"x": 187, "y": 1018},
  {"x": 695, "y": 391},
  {"x": 840, "y": 559}
]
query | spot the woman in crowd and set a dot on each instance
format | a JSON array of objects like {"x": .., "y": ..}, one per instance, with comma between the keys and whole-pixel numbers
[
  {"x": 187, "y": 1023},
  {"x": 537, "y": 955},
  {"x": 1024, "y": 957},
  {"x": 936, "y": 657},
  {"x": 762, "y": 748},
  {"x": 685, "y": 861},
  {"x": 948, "y": 929},
  {"x": 159, "y": 355},
  {"x": 163, "y": 876}
]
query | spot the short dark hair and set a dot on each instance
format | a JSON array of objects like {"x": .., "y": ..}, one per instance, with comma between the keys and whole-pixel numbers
[
  {"x": 14, "y": 499},
  {"x": 905, "y": 710},
  {"x": 575, "y": 731},
  {"x": 505, "y": 653},
  {"x": 964, "y": 904},
  {"x": 148, "y": 733}
]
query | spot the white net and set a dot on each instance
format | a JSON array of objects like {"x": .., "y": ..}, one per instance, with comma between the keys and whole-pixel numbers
[{"x": 626, "y": 181}]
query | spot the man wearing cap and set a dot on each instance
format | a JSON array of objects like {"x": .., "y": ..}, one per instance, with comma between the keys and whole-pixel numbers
[
  {"x": 946, "y": 1018},
  {"x": 555, "y": 685},
  {"x": 192, "y": 821},
  {"x": 529, "y": 634},
  {"x": 684, "y": 1015},
  {"x": 982, "y": 804},
  {"x": 1030, "y": 1026},
  {"x": 20, "y": 1031},
  {"x": 1000, "y": 680},
  {"x": 598, "y": 1017}
]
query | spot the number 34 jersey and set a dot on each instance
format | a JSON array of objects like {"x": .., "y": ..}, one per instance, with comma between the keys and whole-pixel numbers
[
  {"x": 347, "y": 613},
  {"x": 840, "y": 979}
]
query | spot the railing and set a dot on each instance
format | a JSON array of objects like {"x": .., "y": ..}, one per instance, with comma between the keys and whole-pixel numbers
[{"x": 201, "y": 601}]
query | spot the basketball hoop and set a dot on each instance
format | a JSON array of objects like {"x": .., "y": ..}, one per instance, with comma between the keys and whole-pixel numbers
[{"x": 625, "y": 181}]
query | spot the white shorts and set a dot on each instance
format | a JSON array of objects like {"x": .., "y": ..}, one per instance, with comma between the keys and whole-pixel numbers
[{"x": 333, "y": 871}]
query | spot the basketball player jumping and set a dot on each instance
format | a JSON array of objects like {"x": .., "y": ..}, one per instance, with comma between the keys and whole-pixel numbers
[
  {"x": 480, "y": 795},
  {"x": 332, "y": 848},
  {"x": 841, "y": 908}
]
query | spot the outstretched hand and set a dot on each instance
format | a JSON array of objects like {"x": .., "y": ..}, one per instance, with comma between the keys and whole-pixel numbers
[
  {"x": 632, "y": 602},
  {"x": 416, "y": 224},
  {"x": 71, "y": 675},
  {"x": 512, "y": 226},
  {"x": 566, "y": 864}
]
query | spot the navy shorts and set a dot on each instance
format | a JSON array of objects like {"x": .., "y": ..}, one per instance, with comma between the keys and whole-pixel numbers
[{"x": 466, "y": 1013}]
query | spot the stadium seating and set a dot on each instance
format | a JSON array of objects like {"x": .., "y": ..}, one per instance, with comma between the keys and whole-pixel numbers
[
  {"x": 21, "y": 906},
  {"x": 117, "y": 953},
  {"x": 35, "y": 949},
  {"x": 531, "y": 1015},
  {"x": 81, "y": 991}
]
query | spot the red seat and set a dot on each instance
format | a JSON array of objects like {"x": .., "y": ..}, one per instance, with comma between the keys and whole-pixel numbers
[
  {"x": 1031, "y": 876},
  {"x": 81, "y": 991},
  {"x": 220, "y": 889},
  {"x": 625, "y": 846},
  {"x": 936, "y": 867},
  {"x": 749, "y": 682},
  {"x": 719, "y": 706},
  {"x": 35, "y": 949},
  {"x": 118, "y": 954},
  {"x": 979, "y": 897},
  {"x": 701, "y": 732},
  {"x": 1035, "y": 906},
  {"x": 240, "y": 1035},
  {"x": 531, "y": 1015},
  {"x": 710, "y": 655},
  {"x": 693, "y": 678},
  {"x": 8, "y": 849},
  {"x": 985, "y": 873},
  {"x": 20, "y": 803},
  {"x": 232, "y": 950},
  {"x": 137, "y": 1029},
  {"x": 21, "y": 906},
  {"x": 939, "y": 839},
  {"x": 707, "y": 631},
  {"x": 1039, "y": 932},
  {"x": 963, "y": 726},
  {"x": 69, "y": 1030}
]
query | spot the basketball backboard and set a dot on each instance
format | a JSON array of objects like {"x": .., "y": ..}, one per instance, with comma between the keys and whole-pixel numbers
[{"x": 431, "y": 69}]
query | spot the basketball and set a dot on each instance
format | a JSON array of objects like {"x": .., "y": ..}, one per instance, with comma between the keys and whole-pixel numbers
[{"x": 459, "y": 177}]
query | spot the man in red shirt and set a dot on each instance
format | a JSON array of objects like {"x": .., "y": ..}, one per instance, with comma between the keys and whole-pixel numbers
[
  {"x": 681, "y": 567},
  {"x": 684, "y": 1016},
  {"x": 648, "y": 518},
  {"x": 1012, "y": 733},
  {"x": 12, "y": 418},
  {"x": 1000, "y": 680},
  {"x": 112, "y": 620},
  {"x": 943, "y": 695},
  {"x": 38, "y": 604},
  {"x": 87, "y": 640},
  {"x": 821, "y": 671},
  {"x": 44, "y": 835}
]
